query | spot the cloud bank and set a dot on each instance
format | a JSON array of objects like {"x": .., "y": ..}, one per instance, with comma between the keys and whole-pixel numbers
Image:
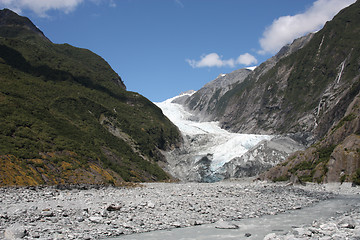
[
  {"x": 285, "y": 29},
  {"x": 214, "y": 60}
]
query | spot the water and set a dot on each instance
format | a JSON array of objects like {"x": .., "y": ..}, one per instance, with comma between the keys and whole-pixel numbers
[{"x": 257, "y": 227}]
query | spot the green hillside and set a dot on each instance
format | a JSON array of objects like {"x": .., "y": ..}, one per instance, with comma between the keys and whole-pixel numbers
[{"x": 65, "y": 106}]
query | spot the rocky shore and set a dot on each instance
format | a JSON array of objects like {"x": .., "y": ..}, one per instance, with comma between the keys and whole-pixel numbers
[{"x": 104, "y": 212}]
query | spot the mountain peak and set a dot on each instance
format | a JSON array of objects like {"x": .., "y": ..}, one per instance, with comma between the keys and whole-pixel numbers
[{"x": 10, "y": 21}]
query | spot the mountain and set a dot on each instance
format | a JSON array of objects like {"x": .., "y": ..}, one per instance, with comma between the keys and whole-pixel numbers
[
  {"x": 203, "y": 102},
  {"x": 208, "y": 102},
  {"x": 209, "y": 155},
  {"x": 306, "y": 93},
  {"x": 336, "y": 156},
  {"x": 15, "y": 26},
  {"x": 66, "y": 117}
]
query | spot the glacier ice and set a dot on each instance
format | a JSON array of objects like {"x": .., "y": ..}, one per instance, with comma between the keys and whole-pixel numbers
[{"x": 207, "y": 138}]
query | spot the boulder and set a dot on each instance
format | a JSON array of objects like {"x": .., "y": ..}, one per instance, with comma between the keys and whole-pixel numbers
[
  {"x": 16, "y": 231},
  {"x": 221, "y": 224}
]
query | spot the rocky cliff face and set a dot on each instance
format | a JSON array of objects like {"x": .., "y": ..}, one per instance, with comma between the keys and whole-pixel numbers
[
  {"x": 206, "y": 102},
  {"x": 335, "y": 158},
  {"x": 203, "y": 102},
  {"x": 305, "y": 91}
]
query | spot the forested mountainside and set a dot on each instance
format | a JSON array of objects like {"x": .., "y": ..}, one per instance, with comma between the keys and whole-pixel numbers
[
  {"x": 66, "y": 116},
  {"x": 308, "y": 91}
]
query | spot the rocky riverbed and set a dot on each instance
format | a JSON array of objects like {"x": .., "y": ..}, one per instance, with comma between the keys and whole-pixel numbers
[
  {"x": 344, "y": 225},
  {"x": 104, "y": 212}
]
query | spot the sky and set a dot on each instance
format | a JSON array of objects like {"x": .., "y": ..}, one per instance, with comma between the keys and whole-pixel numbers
[{"x": 161, "y": 48}]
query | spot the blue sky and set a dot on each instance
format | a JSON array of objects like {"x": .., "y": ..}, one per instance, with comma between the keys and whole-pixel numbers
[{"x": 161, "y": 48}]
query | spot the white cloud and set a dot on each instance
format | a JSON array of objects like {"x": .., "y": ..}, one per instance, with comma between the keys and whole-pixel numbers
[
  {"x": 211, "y": 60},
  {"x": 285, "y": 29},
  {"x": 246, "y": 59},
  {"x": 214, "y": 60},
  {"x": 40, "y": 7}
]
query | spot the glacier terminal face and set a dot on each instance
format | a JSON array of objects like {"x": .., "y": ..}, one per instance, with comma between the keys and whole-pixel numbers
[{"x": 206, "y": 148}]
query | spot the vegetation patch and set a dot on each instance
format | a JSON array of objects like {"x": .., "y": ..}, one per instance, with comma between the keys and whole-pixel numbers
[
  {"x": 356, "y": 177},
  {"x": 283, "y": 178},
  {"x": 345, "y": 119}
]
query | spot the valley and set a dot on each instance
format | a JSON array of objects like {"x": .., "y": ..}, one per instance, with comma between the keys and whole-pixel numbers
[
  {"x": 86, "y": 212},
  {"x": 208, "y": 149},
  {"x": 81, "y": 157}
]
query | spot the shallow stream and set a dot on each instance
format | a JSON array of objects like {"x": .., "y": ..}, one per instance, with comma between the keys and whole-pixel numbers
[{"x": 257, "y": 227}]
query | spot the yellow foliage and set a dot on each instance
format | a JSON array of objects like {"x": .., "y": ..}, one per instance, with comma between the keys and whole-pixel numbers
[
  {"x": 20, "y": 172},
  {"x": 66, "y": 166}
]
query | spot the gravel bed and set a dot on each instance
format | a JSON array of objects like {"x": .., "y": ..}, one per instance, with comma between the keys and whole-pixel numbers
[{"x": 103, "y": 212}]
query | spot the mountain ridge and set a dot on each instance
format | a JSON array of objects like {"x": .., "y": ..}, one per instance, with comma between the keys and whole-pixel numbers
[
  {"x": 9, "y": 21},
  {"x": 67, "y": 117}
]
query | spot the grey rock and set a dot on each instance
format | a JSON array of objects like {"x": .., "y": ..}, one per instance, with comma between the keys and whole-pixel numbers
[
  {"x": 176, "y": 224},
  {"x": 221, "y": 224},
  {"x": 271, "y": 236},
  {"x": 347, "y": 222},
  {"x": 150, "y": 204},
  {"x": 113, "y": 207},
  {"x": 16, "y": 231},
  {"x": 96, "y": 219},
  {"x": 301, "y": 232},
  {"x": 203, "y": 102}
]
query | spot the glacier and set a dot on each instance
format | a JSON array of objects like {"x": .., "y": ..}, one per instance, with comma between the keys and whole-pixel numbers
[{"x": 204, "y": 142}]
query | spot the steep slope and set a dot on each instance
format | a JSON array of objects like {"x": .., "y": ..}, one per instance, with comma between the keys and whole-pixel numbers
[
  {"x": 208, "y": 102},
  {"x": 15, "y": 26},
  {"x": 306, "y": 91},
  {"x": 203, "y": 102},
  {"x": 336, "y": 158},
  {"x": 67, "y": 118}
]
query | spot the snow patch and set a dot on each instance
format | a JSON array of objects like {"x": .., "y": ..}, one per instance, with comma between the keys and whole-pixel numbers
[
  {"x": 341, "y": 69},
  {"x": 251, "y": 68}
]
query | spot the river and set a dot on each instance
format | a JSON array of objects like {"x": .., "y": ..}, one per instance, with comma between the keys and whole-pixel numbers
[{"x": 257, "y": 228}]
